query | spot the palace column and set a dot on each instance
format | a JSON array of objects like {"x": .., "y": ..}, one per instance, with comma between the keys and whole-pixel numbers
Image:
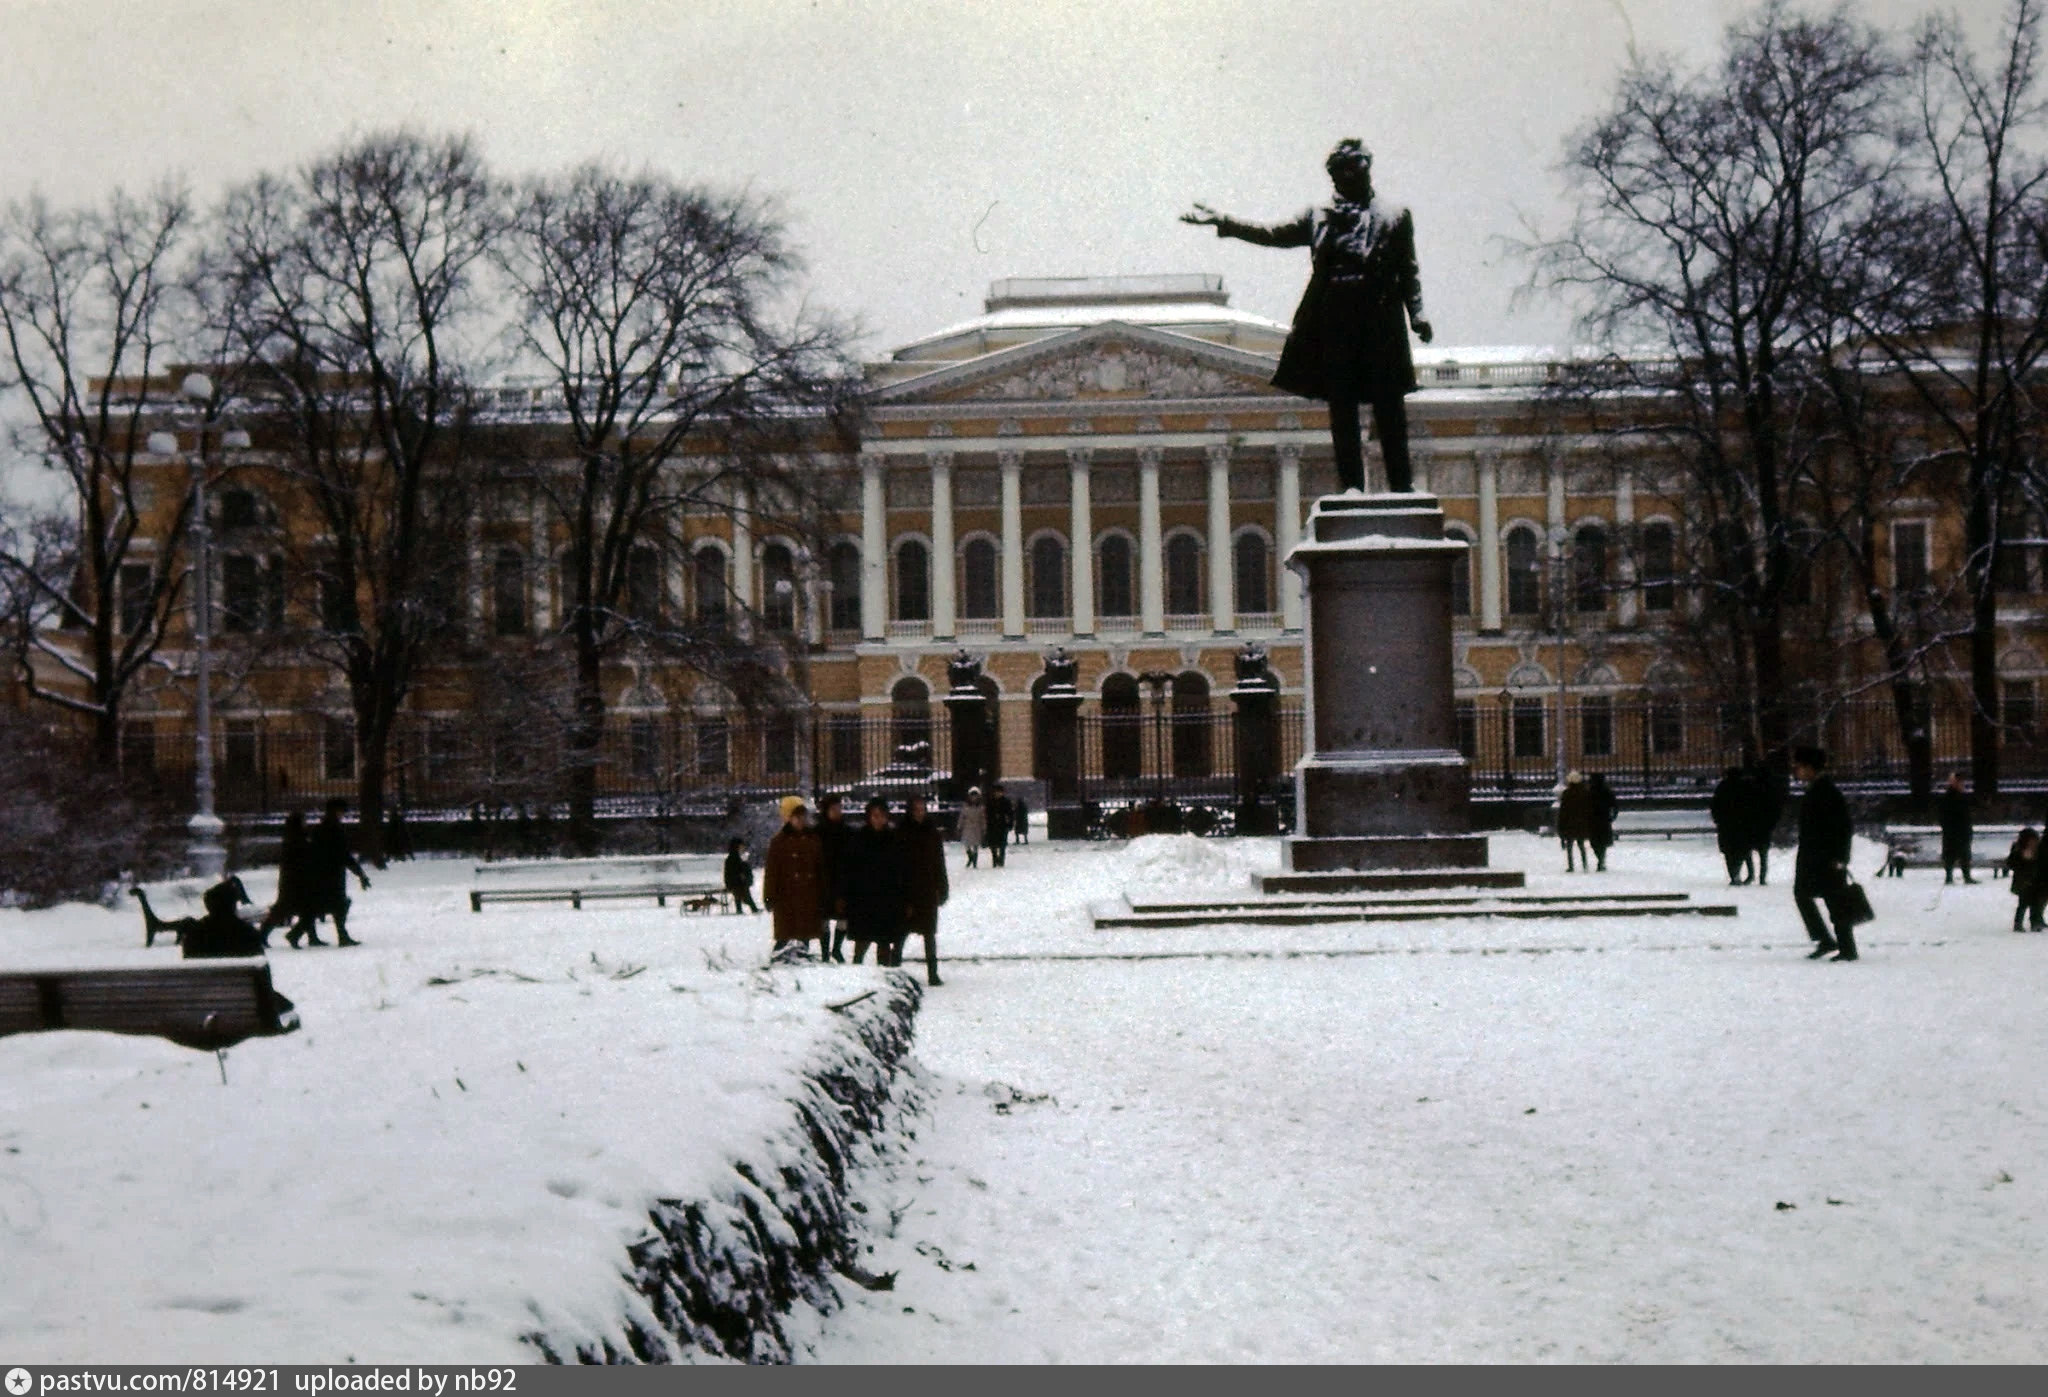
[
  {"x": 874, "y": 548},
  {"x": 1151, "y": 565},
  {"x": 1287, "y": 533},
  {"x": 1012, "y": 463},
  {"x": 942, "y": 545},
  {"x": 1488, "y": 544},
  {"x": 1080, "y": 542},
  {"x": 1622, "y": 552},
  {"x": 1222, "y": 569},
  {"x": 543, "y": 574}
]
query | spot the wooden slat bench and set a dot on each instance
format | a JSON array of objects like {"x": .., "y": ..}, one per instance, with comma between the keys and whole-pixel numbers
[
  {"x": 1640, "y": 824},
  {"x": 206, "y": 1005},
  {"x": 600, "y": 892}
]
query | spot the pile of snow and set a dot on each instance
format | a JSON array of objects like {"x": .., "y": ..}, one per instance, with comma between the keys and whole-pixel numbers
[
  {"x": 457, "y": 1151},
  {"x": 1173, "y": 862}
]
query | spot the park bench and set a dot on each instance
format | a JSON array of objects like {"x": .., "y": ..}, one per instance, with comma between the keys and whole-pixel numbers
[
  {"x": 206, "y": 1005},
  {"x": 630, "y": 868},
  {"x": 1919, "y": 846},
  {"x": 702, "y": 897},
  {"x": 1642, "y": 824}
]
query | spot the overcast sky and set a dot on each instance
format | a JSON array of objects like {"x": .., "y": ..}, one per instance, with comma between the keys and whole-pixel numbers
[{"x": 920, "y": 150}]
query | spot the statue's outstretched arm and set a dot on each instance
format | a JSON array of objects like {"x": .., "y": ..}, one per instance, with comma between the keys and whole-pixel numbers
[{"x": 1293, "y": 233}]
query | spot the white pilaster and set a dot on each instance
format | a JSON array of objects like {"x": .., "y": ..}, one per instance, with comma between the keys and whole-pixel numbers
[
  {"x": 1620, "y": 549},
  {"x": 943, "y": 563},
  {"x": 1287, "y": 533},
  {"x": 874, "y": 548},
  {"x": 541, "y": 569},
  {"x": 1080, "y": 542},
  {"x": 1222, "y": 564},
  {"x": 1490, "y": 599},
  {"x": 1012, "y": 463},
  {"x": 1151, "y": 559},
  {"x": 743, "y": 552}
]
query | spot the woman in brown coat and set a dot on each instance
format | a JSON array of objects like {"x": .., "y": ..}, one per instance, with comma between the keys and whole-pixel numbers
[{"x": 793, "y": 883}]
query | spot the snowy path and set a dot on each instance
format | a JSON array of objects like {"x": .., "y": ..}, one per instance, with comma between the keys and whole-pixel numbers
[{"x": 1483, "y": 1157}]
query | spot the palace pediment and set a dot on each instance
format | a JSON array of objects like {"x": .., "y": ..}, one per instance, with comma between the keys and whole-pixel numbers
[{"x": 1107, "y": 363}]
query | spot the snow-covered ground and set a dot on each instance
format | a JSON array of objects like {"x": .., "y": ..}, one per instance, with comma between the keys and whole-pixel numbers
[
  {"x": 455, "y": 1151},
  {"x": 1434, "y": 1140},
  {"x": 1423, "y": 1151}
]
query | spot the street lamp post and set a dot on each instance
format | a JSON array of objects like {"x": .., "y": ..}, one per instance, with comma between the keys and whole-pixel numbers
[
  {"x": 1159, "y": 680},
  {"x": 204, "y": 850},
  {"x": 1559, "y": 553}
]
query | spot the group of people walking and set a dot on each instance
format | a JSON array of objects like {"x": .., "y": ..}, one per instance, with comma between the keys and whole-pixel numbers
[
  {"x": 312, "y": 883},
  {"x": 994, "y": 823},
  {"x": 1745, "y": 810},
  {"x": 1585, "y": 820},
  {"x": 875, "y": 883}
]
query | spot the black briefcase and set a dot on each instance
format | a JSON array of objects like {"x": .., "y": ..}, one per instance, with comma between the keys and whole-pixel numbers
[{"x": 1849, "y": 905}]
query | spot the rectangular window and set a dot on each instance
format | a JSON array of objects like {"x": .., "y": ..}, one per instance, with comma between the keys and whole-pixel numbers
[
  {"x": 242, "y": 764},
  {"x": 135, "y": 583},
  {"x": 1528, "y": 728},
  {"x": 643, "y": 748},
  {"x": 242, "y": 601},
  {"x": 844, "y": 733},
  {"x": 778, "y": 747},
  {"x": 1461, "y": 578},
  {"x": 1468, "y": 729},
  {"x": 1909, "y": 555},
  {"x": 713, "y": 748},
  {"x": 1667, "y": 729},
  {"x": 337, "y": 615},
  {"x": 338, "y": 748},
  {"x": 2020, "y": 714},
  {"x": 1596, "y": 726},
  {"x": 138, "y": 748},
  {"x": 1660, "y": 549}
]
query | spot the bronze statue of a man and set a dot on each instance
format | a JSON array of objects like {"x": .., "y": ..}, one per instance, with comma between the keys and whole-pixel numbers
[{"x": 1349, "y": 343}]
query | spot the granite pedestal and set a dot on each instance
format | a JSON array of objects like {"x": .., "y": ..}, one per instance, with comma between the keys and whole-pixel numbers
[{"x": 1382, "y": 784}]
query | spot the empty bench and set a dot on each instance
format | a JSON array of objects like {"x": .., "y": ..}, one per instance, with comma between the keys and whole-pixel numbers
[
  {"x": 694, "y": 896},
  {"x": 1646, "y": 824},
  {"x": 1919, "y": 846},
  {"x": 204, "y": 1006}
]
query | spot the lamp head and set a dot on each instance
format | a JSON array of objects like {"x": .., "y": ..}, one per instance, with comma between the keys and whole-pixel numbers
[
  {"x": 163, "y": 444},
  {"x": 197, "y": 387}
]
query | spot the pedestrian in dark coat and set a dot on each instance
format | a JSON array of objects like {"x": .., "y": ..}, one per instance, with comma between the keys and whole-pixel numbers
[
  {"x": 739, "y": 877},
  {"x": 1766, "y": 803},
  {"x": 1575, "y": 820},
  {"x": 1020, "y": 822},
  {"x": 2029, "y": 887},
  {"x": 836, "y": 836},
  {"x": 793, "y": 883},
  {"x": 330, "y": 861},
  {"x": 1605, "y": 808},
  {"x": 222, "y": 932},
  {"x": 1349, "y": 341},
  {"x": 924, "y": 885},
  {"x": 1821, "y": 867},
  {"x": 874, "y": 888},
  {"x": 294, "y": 881},
  {"x": 999, "y": 810},
  {"x": 1952, "y": 810},
  {"x": 1732, "y": 816}
]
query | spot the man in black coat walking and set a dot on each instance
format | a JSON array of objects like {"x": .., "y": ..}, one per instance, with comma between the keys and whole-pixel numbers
[
  {"x": 1822, "y": 864},
  {"x": 1766, "y": 802},
  {"x": 329, "y": 861},
  {"x": 1957, "y": 829},
  {"x": 1349, "y": 341},
  {"x": 873, "y": 884},
  {"x": 1730, "y": 809},
  {"x": 836, "y": 836}
]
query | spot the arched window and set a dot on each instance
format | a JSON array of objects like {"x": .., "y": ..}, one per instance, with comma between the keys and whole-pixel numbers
[
  {"x": 251, "y": 593},
  {"x": 842, "y": 564},
  {"x": 1660, "y": 567},
  {"x": 1113, "y": 576},
  {"x": 1253, "y": 573},
  {"x": 508, "y": 592},
  {"x": 910, "y": 726},
  {"x": 1525, "y": 572},
  {"x": 643, "y": 586},
  {"x": 240, "y": 508},
  {"x": 1184, "y": 575},
  {"x": 1461, "y": 574},
  {"x": 1048, "y": 577},
  {"x": 709, "y": 569},
  {"x": 913, "y": 581},
  {"x": 1589, "y": 568},
  {"x": 978, "y": 568},
  {"x": 1190, "y": 724},
  {"x": 1123, "y": 732},
  {"x": 778, "y": 587}
]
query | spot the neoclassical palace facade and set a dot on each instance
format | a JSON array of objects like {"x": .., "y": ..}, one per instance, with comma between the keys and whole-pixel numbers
[{"x": 1099, "y": 464}]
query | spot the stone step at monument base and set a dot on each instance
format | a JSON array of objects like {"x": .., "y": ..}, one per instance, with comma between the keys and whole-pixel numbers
[
  {"x": 1380, "y": 880},
  {"x": 1232, "y": 904},
  {"x": 1352, "y": 911},
  {"x": 1374, "y": 852}
]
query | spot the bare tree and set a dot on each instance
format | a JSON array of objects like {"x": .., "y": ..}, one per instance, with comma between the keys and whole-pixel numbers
[
  {"x": 349, "y": 289},
  {"x": 1964, "y": 253},
  {"x": 654, "y": 312},
  {"x": 91, "y": 310},
  {"x": 1708, "y": 206}
]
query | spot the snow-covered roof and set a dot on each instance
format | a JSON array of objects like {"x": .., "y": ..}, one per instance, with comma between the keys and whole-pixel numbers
[{"x": 1020, "y": 309}]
